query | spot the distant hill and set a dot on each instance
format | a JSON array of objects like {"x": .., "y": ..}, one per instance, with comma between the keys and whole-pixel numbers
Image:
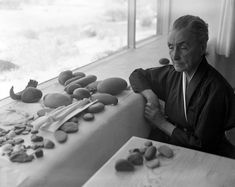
[{"x": 7, "y": 66}]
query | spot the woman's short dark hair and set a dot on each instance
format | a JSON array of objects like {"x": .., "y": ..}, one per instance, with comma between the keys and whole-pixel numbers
[{"x": 195, "y": 24}]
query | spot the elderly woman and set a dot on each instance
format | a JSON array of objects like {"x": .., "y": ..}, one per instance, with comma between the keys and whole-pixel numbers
[{"x": 198, "y": 100}]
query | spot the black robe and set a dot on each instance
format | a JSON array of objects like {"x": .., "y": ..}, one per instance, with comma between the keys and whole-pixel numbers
[{"x": 209, "y": 101}]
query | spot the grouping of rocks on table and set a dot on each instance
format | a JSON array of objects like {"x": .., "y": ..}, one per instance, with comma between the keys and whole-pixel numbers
[
  {"x": 15, "y": 148},
  {"x": 77, "y": 87},
  {"x": 148, "y": 155}
]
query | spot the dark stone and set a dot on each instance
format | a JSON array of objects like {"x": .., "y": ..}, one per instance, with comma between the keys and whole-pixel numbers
[
  {"x": 60, "y": 136},
  {"x": 37, "y": 145},
  {"x": 18, "y": 141},
  {"x": 34, "y": 131},
  {"x": 35, "y": 138},
  {"x": 39, "y": 153},
  {"x": 69, "y": 127},
  {"x": 21, "y": 157},
  {"x": 48, "y": 144}
]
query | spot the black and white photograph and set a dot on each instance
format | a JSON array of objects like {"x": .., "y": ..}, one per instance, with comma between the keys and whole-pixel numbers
[{"x": 117, "y": 93}]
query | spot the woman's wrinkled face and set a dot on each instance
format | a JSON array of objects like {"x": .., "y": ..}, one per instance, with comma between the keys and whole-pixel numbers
[{"x": 185, "y": 51}]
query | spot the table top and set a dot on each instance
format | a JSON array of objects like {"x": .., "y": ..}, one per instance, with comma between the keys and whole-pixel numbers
[
  {"x": 72, "y": 163},
  {"x": 186, "y": 168}
]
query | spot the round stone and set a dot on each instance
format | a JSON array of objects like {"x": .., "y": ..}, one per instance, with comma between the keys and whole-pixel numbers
[
  {"x": 69, "y": 127},
  {"x": 60, "y": 136},
  {"x": 88, "y": 116}
]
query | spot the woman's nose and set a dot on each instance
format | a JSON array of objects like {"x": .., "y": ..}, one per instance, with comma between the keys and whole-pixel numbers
[{"x": 175, "y": 54}]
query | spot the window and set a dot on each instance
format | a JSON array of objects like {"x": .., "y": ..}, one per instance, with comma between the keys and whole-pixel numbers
[
  {"x": 146, "y": 19},
  {"x": 39, "y": 39}
]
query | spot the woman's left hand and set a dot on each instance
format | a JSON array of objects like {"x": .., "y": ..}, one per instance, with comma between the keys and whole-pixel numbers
[{"x": 154, "y": 114}]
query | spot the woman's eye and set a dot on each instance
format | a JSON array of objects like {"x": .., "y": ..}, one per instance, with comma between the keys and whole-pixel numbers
[
  {"x": 183, "y": 47},
  {"x": 170, "y": 46}
]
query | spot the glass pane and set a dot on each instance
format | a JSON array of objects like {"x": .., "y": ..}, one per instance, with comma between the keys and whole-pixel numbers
[
  {"x": 146, "y": 19},
  {"x": 39, "y": 39}
]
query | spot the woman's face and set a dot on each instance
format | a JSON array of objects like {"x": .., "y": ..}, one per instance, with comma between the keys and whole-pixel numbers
[{"x": 185, "y": 51}]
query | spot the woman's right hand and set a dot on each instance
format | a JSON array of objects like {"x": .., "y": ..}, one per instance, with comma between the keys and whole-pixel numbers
[{"x": 151, "y": 97}]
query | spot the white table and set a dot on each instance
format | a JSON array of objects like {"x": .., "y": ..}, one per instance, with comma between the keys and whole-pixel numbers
[
  {"x": 74, "y": 162},
  {"x": 187, "y": 168}
]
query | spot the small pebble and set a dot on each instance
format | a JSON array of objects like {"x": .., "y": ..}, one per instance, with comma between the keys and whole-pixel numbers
[
  {"x": 43, "y": 112},
  {"x": 60, "y": 136},
  {"x": 95, "y": 108},
  {"x": 18, "y": 141},
  {"x": 7, "y": 147},
  {"x": 48, "y": 144},
  {"x": 39, "y": 153},
  {"x": 164, "y": 61},
  {"x": 69, "y": 127},
  {"x": 11, "y": 134},
  {"x": 74, "y": 119},
  {"x": 88, "y": 117},
  {"x": 142, "y": 150},
  {"x": 35, "y": 138},
  {"x": 148, "y": 143},
  {"x": 2, "y": 140},
  {"x": 134, "y": 150},
  {"x": 20, "y": 126},
  {"x": 150, "y": 153},
  {"x": 34, "y": 131},
  {"x": 18, "y": 148},
  {"x": 166, "y": 151},
  {"x": 37, "y": 145},
  {"x": 135, "y": 158},
  {"x": 25, "y": 132},
  {"x": 124, "y": 165},
  {"x": 153, "y": 163},
  {"x": 19, "y": 131},
  {"x": 10, "y": 141},
  {"x": 21, "y": 157}
]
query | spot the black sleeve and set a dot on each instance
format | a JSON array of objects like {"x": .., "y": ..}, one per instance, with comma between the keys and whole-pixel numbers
[
  {"x": 153, "y": 78},
  {"x": 210, "y": 125}
]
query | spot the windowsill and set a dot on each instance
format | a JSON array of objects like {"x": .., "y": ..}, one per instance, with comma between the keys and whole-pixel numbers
[{"x": 121, "y": 64}]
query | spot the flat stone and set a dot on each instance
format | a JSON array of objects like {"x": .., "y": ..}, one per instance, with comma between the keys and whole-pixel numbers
[
  {"x": 148, "y": 143},
  {"x": 60, "y": 136},
  {"x": 18, "y": 148},
  {"x": 48, "y": 144},
  {"x": 6, "y": 147},
  {"x": 69, "y": 127},
  {"x": 21, "y": 157},
  {"x": 74, "y": 119},
  {"x": 135, "y": 159},
  {"x": 37, "y": 145},
  {"x": 35, "y": 138},
  {"x": 155, "y": 163},
  {"x": 19, "y": 131},
  {"x": 88, "y": 117},
  {"x": 2, "y": 140},
  {"x": 20, "y": 126},
  {"x": 18, "y": 141},
  {"x": 10, "y": 141},
  {"x": 34, "y": 131},
  {"x": 25, "y": 132},
  {"x": 11, "y": 134},
  {"x": 43, "y": 111}
]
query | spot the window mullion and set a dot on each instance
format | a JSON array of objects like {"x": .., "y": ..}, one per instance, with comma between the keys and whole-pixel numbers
[{"x": 131, "y": 23}]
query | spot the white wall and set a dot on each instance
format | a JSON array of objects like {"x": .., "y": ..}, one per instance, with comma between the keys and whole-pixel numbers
[{"x": 208, "y": 10}]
